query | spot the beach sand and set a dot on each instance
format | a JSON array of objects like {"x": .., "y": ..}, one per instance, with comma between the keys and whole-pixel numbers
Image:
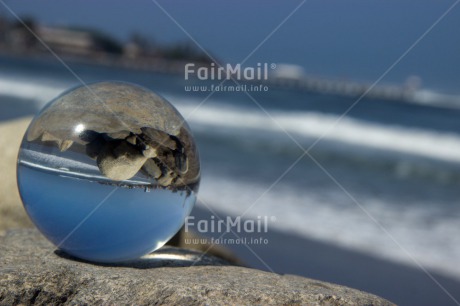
[{"x": 11, "y": 211}]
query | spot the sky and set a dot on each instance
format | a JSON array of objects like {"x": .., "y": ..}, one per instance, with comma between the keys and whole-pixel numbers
[{"x": 357, "y": 39}]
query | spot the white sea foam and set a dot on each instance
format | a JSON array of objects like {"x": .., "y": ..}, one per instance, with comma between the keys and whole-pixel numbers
[
  {"x": 432, "y": 98},
  {"x": 424, "y": 143},
  {"x": 37, "y": 91}
]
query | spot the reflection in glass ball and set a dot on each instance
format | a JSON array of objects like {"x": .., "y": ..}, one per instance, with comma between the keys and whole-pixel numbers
[{"x": 108, "y": 172}]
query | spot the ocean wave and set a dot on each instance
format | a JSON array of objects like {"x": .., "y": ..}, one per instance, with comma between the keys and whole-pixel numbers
[
  {"x": 37, "y": 91},
  {"x": 435, "y": 99},
  {"x": 222, "y": 116},
  {"x": 315, "y": 125}
]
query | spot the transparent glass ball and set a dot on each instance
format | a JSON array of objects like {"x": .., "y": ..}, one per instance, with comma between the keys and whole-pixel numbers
[{"x": 108, "y": 172}]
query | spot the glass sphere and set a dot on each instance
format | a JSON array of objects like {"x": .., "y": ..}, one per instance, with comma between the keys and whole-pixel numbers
[{"x": 108, "y": 172}]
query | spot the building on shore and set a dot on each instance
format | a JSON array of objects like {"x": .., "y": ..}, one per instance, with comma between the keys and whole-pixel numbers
[{"x": 32, "y": 37}]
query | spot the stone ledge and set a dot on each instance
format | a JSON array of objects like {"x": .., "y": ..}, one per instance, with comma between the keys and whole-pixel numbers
[{"x": 33, "y": 272}]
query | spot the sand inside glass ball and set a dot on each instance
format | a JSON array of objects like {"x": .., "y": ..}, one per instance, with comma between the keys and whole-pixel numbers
[{"x": 109, "y": 171}]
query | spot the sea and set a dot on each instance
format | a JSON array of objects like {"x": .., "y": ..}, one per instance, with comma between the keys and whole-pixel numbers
[{"x": 383, "y": 179}]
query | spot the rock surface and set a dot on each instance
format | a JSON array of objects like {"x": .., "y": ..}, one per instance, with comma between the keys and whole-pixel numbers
[{"x": 32, "y": 272}]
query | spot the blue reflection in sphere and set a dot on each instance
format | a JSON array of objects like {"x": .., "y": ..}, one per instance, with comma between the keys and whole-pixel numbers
[{"x": 108, "y": 172}]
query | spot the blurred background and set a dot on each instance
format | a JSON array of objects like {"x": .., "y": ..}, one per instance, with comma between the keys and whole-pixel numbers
[{"x": 373, "y": 205}]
